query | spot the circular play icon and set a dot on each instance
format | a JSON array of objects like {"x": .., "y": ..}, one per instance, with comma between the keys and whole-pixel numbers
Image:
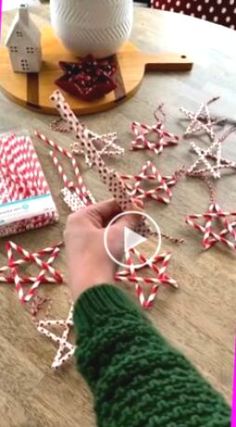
[{"x": 134, "y": 240}]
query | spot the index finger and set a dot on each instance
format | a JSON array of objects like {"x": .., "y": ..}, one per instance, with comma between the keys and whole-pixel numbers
[
  {"x": 98, "y": 214},
  {"x": 103, "y": 212}
]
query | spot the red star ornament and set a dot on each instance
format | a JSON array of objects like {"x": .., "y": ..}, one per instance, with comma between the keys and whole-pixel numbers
[
  {"x": 39, "y": 259},
  {"x": 227, "y": 236},
  {"x": 88, "y": 79},
  {"x": 149, "y": 174},
  {"x": 6, "y": 275},
  {"x": 154, "y": 138},
  {"x": 158, "y": 266}
]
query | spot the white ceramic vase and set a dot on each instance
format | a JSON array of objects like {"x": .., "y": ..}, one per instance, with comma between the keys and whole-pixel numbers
[{"x": 97, "y": 27}]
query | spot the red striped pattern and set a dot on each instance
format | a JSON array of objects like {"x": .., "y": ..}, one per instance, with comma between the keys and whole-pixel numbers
[
  {"x": 158, "y": 267},
  {"x": 25, "y": 295},
  {"x": 227, "y": 236},
  {"x": 155, "y": 137},
  {"x": 78, "y": 186},
  {"x": 21, "y": 177},
  {"x": 150, "y": 174}
]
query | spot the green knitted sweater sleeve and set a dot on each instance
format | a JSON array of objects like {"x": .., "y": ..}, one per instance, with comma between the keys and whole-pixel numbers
[{"x": 137, "y": 378}]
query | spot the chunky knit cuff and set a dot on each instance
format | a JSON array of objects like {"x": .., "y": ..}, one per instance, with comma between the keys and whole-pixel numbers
[
  {"x": 136, "y": 377},
  {"x": 101, "y": 300}
]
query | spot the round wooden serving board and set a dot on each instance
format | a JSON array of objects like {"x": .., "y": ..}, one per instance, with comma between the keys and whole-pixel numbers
[{"x": 32, "y": 90}]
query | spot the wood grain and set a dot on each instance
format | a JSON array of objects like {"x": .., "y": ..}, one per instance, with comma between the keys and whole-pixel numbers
[
  {"x": 200, "y": 318},
  {"x": 32, "y": 90},
  {"x": 131, "y": 65}
]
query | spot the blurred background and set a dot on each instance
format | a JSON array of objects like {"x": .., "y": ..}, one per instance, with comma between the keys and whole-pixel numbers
[{"x": 12, "y": 4}]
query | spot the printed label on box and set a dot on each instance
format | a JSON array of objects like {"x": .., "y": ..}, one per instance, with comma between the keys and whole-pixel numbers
[{"x": 26, "y": 209}]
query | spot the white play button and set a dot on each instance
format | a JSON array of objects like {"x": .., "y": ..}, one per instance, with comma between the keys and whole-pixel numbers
[{"x": 132, "y": 239}]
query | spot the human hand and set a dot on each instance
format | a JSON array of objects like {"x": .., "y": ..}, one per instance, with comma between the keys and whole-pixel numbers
[{"x": 87, "y": 259}]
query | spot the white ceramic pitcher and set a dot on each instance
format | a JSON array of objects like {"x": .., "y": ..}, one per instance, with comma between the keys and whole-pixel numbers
[{"x": 97, "y": 27}]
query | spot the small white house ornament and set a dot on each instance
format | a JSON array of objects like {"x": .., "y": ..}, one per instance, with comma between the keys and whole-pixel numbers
[{"x": 24, "y": 43}]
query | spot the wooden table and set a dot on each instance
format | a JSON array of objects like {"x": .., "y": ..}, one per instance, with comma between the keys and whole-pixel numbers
[{"x": 200, "y": 318}]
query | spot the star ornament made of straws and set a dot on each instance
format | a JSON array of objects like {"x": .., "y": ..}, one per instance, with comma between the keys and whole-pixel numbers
[
  {"x": 150, "y": 175},
  {"x": 215, "y": 215},
  {"x": 154, "y": 138},
  {"x": 105, "y": 145},
  {"x": 27, "y": 286},
  {"x": 210, "y": 161},
  {"x": 157, "y": 266},
  {"x": 197, "y": 124},
  {"x": 65, "y": 348},
  {"x": 212, "y": 168}
]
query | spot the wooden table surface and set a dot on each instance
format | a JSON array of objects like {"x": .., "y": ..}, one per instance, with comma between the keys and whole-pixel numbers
[{"x": 200, "y": 318}]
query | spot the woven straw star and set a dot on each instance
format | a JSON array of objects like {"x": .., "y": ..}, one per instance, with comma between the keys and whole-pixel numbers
[
  {"x": 65, "y": 349},
  {"x": 154, "y": 138},
  {"x": 158, "y": 267},
  {"x": 211, "y": 158},
  {"x": 217, "y": 164},
  {"x": 197, "y": 124},
  {"x": 47, "y": 273},
  {"x": 227, "y": 235},
  {"x": 106, "y": 145},
  {"x": 211, "y": 170},
  {"x": 149, "y": 174}
]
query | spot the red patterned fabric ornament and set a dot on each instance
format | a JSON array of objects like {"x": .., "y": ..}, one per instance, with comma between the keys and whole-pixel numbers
[
  {"x": 88, "y": 79},
  {"x": 221, "y": 12}
]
